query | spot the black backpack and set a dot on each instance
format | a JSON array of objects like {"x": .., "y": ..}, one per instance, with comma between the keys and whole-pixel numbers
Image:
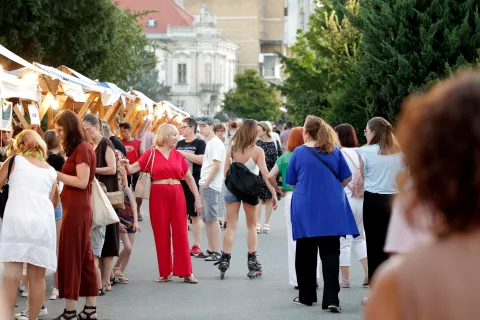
[{"x": 243, "y": 183}]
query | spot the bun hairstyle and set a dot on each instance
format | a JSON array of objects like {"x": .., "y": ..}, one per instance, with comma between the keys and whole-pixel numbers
[
  {"x": 383, "y": 136},
  {"x": 322, "y": 133}
]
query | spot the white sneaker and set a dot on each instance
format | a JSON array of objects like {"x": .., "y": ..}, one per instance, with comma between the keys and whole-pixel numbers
[
  {"x": 24, "y": 314},
  {"x": 22, "y": 287},
  {"x": 55, "y": 294},
  {"x": 25, "y": 294}
]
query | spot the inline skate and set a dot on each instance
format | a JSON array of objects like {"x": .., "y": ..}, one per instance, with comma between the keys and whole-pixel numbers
[{"x": 254, "y": 266}]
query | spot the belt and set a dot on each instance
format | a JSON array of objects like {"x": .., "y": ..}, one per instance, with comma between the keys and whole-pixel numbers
[{"x": 167, "y": 181}]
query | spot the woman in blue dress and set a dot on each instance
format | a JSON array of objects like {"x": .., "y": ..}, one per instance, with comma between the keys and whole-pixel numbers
[{"x": 320, "y": 211}]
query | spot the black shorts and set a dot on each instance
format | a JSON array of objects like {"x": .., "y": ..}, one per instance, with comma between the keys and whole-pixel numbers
[
  {"x": 132, "y": 180},
  {"x": 189, "y": 199}
]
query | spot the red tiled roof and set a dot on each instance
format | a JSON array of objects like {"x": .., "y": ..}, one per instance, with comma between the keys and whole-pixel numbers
[{"x": 167, "y": 13}]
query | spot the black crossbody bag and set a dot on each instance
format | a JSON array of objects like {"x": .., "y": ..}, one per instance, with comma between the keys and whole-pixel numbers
[{"x": 322, "y": 161}]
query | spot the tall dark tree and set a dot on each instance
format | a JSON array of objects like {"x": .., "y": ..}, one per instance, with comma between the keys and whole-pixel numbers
[
  {"x": 94, "y": 37},
  {"x": 409, "y": 44}
]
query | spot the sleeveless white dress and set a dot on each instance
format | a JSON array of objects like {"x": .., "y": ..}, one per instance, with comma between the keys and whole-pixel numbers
[{"x": 28, "y": 232}]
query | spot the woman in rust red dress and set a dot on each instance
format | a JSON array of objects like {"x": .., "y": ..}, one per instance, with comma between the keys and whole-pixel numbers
[
  {"x": 77, "y": 276},
  {"x": 167, "y": 203}
]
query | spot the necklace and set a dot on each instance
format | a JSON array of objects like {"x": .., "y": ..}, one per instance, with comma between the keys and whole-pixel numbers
[{"x": 35, "y": 154}]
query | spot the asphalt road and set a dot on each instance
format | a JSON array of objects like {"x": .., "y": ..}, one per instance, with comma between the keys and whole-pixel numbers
[{"x": 236, "y": 297}]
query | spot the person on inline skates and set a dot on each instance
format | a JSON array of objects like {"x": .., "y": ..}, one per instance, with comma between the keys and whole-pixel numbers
[{"x": 244, "y": 162}]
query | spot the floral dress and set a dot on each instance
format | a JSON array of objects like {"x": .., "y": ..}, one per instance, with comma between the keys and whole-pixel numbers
[{"x": 273, "y": 151}]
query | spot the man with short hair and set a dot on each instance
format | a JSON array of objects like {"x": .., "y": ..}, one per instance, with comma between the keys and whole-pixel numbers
[
  {"x": 192, "y": 148},
  {"x": 285, "y": 134},
  {"x": 211, "y": 182},
  {"x": 134, "y": 150}
]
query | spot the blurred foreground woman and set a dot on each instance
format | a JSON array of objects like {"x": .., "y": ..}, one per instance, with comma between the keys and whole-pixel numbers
[{"x": 441, "y": 135}]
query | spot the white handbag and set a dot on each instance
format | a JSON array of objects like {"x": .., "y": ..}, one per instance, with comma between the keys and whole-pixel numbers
[
  {"x": 103, "y": 212},
  {"x": 144, "y": 183}
]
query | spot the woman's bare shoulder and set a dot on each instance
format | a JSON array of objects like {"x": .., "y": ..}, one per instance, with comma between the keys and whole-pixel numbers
[{"x": 384, "y": 301}]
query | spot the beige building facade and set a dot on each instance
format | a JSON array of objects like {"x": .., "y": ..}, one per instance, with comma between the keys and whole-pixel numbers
[{"x": 256, "y": 26}]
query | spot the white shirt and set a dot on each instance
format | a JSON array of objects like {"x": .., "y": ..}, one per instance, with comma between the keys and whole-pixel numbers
[
  {"x": 276, "y": 137},
  {"x": 380, "y": 170},
  {"x": 351, "y": 156},
  {"x": 215, "y": 150}
]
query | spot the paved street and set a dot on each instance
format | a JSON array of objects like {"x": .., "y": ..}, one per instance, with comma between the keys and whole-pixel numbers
[{"x": 236, "y": 297}]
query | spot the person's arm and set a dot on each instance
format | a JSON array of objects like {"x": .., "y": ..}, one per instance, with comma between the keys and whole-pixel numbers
[
  {"x": 384, "y": 301},
  {"x": 345, "y": 182},
  {"x": 132, "y": 200},
  {"x": 79, "y": 181},
  {"x": 345, "y": 175},
  {"x": 141, "y": 149},
  {"x": 262, "y": 165},
  {"x": 228, "y": 161},
  {"x": 272, "y": 175},
  {"x": 111, "y": 167},
  {"x": 213, "y": 173},
  {"x": 131, "y": 168},
  {"x": 55, "y": 195},
  {"x": 193, "y": 188},
  {"x": 195, "y": 158}
]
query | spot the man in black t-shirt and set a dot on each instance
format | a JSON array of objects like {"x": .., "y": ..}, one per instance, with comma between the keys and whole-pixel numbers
[{"x": 193, "y": 149}]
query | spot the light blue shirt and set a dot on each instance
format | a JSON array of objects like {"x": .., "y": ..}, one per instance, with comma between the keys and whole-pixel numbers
[{"x": 380, "y": 170}]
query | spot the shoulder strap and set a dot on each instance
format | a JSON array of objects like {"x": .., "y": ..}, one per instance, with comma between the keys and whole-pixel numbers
[
  {"x": 351, "y": 160},
  {"x": 322, "y": 161},
  {"x": 152, "y": 153},
  {"x": 10, "y": 164}
]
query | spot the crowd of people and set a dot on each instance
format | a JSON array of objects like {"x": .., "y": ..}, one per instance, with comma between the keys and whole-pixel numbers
[{"x": 339, "y": 197}]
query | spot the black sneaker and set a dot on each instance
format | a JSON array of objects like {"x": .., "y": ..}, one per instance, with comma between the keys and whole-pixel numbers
[
  {"x": 206, "y": 254},
  {"x": 335, "y": 309},
  {"x": 214, "y": 257}
]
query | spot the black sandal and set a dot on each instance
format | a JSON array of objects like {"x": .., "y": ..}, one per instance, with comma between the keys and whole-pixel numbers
[
  {"x": 87, "y": 314},
  {"x": 67, "y": 315},
  {"x": 101, "y": 292}
]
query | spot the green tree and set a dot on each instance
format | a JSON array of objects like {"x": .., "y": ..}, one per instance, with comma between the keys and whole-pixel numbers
[
  {"x": 324, "y": 59},
  {"x": 94, "y": 37},
  {"x": 407, "y": 45},
  {"x": 253, "y": 98}
]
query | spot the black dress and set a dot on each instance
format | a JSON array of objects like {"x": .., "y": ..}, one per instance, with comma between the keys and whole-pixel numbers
[
  {"x": 273, "y": 151},
  {"x": 111, "y": 246}
]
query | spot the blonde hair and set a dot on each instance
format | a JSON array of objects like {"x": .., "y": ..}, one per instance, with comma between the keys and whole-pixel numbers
[
  {"x": 322, "y": 133},
  {"x": 30, "y": 141},
  {"x": 163, "y": 132},
  {"x": 267, "y": 127}
]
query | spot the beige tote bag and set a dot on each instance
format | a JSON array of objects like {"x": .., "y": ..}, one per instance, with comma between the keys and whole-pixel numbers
[
  {"x": 144, "y": 183},
  {"x": 103, "y": 212}
]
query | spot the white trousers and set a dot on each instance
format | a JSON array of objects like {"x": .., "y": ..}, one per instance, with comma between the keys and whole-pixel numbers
[
  {"x": 292, "y": 245},
  {"x": 358, "y": 244}
]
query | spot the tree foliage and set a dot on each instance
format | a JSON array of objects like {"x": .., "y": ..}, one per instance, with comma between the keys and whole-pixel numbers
[
  {"x": 253, "y": 98},
  {"x": 361, "y": 58},
  {"x": 324, "y": 61},
  {"x": 94, "y": 37},
  {"x": 408, "y": 45}
]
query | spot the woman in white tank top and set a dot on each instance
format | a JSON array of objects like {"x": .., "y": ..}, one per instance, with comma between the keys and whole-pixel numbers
[{"x": 243, "y": 150}]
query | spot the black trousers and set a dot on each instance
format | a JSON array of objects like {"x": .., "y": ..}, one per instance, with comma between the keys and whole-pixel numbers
[
  {"x": 376, "y": 217},
  {"x": 306, "y": 268}
]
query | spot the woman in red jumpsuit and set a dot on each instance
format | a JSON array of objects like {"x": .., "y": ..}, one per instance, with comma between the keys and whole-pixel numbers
[{"x": 167, "y": 203}]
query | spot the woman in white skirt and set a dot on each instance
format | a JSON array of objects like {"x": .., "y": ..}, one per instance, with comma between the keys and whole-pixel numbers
[
  {"x": 295, "y": 139},
  {"x": 28, "y": 233},
  {"x": 354, "y": 190}
]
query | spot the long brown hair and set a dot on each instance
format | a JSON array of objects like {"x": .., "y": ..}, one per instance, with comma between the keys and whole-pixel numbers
[
  {"x": 245, "y": 137},
  {"x": 383, "y": 136},
  {"x": 346, "y": 135},
  {"x": 322, "y": 133},
  {"x": 73, "y": 129},
  {"x": 445, "y": 117}
]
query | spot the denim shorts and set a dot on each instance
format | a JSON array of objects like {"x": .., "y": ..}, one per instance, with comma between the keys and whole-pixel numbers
[
  {"x": 230, "y": 197},
  {"x": 58, "y": 212},
  {"x": 211, "y": 204}
]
